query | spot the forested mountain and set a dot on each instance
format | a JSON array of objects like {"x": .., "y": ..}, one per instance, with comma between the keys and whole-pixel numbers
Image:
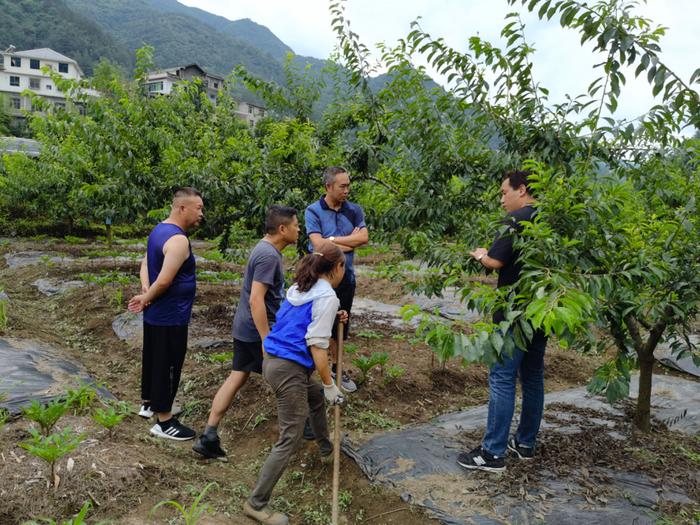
[
  {"x": 245, "y": 29},
  {"x": 178, "y": 38},
  {"x": 29, "y": 24}
]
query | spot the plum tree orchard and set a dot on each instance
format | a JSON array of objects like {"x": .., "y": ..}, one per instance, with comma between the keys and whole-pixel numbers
[
  {"x": 612, "y": 260},
  {"x": 615, "y": 247}
]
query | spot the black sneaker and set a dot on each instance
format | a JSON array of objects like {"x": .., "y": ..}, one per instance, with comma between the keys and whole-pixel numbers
[
  {"x": 209, "y": 448},
  {"x": 172, "y": 429},
  {"x": 325, "y": 447},
  {"x": 520, "y": 451},
  {"x": 346, "y": 382},
  {"x": 479, "y": 459},
  {"x": 308, "y": 431}
]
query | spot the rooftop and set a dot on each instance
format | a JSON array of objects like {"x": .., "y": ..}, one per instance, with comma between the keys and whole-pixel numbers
[{"x": 29, "y": 147}]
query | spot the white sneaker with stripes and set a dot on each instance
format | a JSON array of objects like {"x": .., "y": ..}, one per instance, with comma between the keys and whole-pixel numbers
[{"x": 173, "y": 429}]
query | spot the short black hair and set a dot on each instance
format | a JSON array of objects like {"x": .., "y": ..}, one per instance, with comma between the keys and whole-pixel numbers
[
  {"x": 330, "y": 173},
  {"x": 517, "y": 178},
  {"x": 186, "y": 192},
  {"x": 277, "y": 215}
]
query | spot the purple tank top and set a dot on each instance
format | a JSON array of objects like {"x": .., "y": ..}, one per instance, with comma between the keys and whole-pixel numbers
[{"x": 174, "y": 307}]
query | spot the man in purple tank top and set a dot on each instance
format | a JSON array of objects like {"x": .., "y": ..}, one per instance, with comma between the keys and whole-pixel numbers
[{"x": 168, "y": 289}]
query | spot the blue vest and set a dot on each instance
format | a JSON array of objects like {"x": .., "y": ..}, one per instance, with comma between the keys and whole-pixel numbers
[
  {"x": 174, "y": 306},
  {"x": 287, "y": 339}
]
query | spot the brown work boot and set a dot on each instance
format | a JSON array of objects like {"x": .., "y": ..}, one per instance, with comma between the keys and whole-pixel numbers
[{"x": 266, "y": 515}]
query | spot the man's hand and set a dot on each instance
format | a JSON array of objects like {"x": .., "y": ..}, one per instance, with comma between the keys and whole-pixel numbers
[
  {"x": 138, "y": 303},
  {"x": 479, "y": 253},
  {"x": 333, "y": 395},
  {"x": 343, "y": 316}
]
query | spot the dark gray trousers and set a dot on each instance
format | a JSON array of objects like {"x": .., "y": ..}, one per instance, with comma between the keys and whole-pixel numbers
[{"x": 297, "y": 398}]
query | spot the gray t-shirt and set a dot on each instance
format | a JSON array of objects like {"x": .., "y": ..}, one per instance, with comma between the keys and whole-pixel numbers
[{"x": 265, "y": 266}]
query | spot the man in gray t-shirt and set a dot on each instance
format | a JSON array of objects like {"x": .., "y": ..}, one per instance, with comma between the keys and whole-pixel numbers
[
  {"x": 261, "y": 294},
  {"x": 264, "y": 268}
]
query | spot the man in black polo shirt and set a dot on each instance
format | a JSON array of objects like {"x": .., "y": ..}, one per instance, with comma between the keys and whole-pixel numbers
[{"x": 518, "y": 201}]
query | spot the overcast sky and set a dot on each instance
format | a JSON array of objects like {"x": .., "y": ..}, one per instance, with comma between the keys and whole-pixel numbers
[{"x": 561, "y": 64}]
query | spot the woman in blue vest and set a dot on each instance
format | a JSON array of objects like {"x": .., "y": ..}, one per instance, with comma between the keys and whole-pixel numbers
[{"x": 298, "y": 344}]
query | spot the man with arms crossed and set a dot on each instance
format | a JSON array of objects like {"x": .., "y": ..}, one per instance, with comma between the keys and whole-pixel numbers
[
  {"x": 528, "y": 363},
  {"x": 168, "y": 286},
  {"x": 261, "y": 294},
  {"x": 335, "y": 218}
]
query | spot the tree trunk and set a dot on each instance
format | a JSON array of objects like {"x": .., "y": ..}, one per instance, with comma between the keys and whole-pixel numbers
[
  {"x": 645, "y": 355},
  {"x": 642, "y": 417}
]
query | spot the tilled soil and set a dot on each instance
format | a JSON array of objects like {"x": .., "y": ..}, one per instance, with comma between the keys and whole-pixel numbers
[{"x": 124, "y": 476}]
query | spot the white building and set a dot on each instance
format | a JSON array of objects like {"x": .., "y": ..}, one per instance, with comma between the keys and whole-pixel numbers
[
  {"x": 20, "y": 70},
  {"x": 163, "y": 82},
  {"x": 250, "y": 112}
]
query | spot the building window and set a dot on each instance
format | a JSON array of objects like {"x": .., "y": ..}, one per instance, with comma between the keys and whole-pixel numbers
[
  {"x": 60, "y": 105},
  {"x": 155, "y": 86},
  {"x": 15, "y": 103},
  {"x": 216, "y": 85},
  {"x": 250, "y": 109},
  {"x": 34, "y": 63},
  {"x": 49, "y": 87},
  {"x": 62, "y": 67},
  {"x": 34, "y": 83},
  {"x": 14, "y": 81},
  {"x": 16, "y": 62}
]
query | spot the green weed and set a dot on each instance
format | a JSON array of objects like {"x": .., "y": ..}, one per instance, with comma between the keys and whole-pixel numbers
[
  {"x": 393, "y": 373},
  {"x": 214, "y": 255},
  {"x": 350, "y": 348},
  {"x": 46, "y": 416},
  {"x": 375, "y": 249},
  {"x": 222, "y": 358},
  {"x": 70, "y": 239},
  {"x": 344, "y": 500},
  {"x": 80, "y": 518},
  {"x": 369, "y": 334},
  {"x": 691, "y": 455},
  {"x": 117, "y": 299},
  {"x": 219, "y": 277},
  {"x": 372, "y": 420},
  {"x": 3, "y": 311},
  {"x": 110, "y": 416},
  {"x": 4, "y": 416},
  {"x": 365, "y": 364},
  {"x": 81, "y": 398},
  {"x": 53, "y": 447},
  {"x": 101, "y": 253},
  {"x": 259, "y": 419},
  {"x": 192, "y": 514}
]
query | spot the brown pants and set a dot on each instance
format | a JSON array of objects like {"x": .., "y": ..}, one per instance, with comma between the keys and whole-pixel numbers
[{"x": 297, "y": 398}]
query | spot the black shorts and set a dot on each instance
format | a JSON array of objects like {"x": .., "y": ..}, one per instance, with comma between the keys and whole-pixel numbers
[
  {"x": 346, "y": 293},
  {"x": 247, "y": 357}
]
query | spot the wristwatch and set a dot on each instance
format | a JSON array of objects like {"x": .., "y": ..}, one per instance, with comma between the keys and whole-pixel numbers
[{"x": 331, "y": 238}]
